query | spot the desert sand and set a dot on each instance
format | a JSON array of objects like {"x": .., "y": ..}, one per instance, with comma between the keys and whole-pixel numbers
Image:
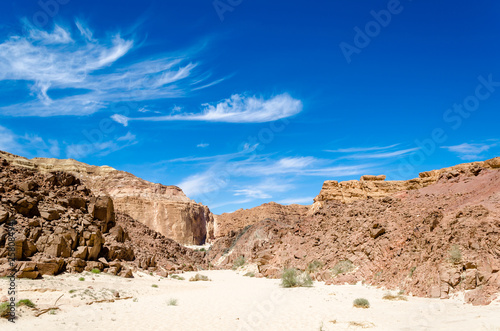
[{"x": 231, "y": 301}]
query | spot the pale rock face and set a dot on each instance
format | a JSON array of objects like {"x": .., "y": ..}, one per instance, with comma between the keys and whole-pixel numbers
[
  {"x": 376, "y": 187},
  {"x": 165, "y": 209}
]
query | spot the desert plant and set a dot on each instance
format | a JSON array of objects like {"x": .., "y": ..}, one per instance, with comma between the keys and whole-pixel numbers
[
  {"x": 412, "y": 270},
  {"x": 314, "y": 266},
  {"x": 249, "y": 274},
  {"x": 81, "y": 279},
  {"x": 95, "y": 271},
  {"x": 361, "y": 303},
  {"x": 4, "y": 310},
  {"x": 455, "y": 254},
  {"x": 343, "y": 267},
  {"x": 392, "y": 297},
  {"x": 25, "y": 302},
  {"x": 172, "y": 302},
  {"x": 177, "y": 277},
  {"x": 293, "y": 278},
  {"x": 52, "y": 311},
  {"x": 154, "y": 285},
  {"x": 72, "y": 291},
  {"x": 199, "y": 277},
  {"x": 240, "y": 261}
]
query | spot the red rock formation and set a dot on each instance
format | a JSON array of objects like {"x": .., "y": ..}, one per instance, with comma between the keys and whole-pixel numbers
[{"x": 430, "y": 241}]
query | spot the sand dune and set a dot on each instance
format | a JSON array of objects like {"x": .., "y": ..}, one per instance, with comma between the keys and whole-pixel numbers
[{"x": 231, "y": 301}]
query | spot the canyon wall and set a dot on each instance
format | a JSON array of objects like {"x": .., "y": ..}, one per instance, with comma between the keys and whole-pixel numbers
[
  {"x": 376, "y": 186},
  {"x": 165, "y": 209}
]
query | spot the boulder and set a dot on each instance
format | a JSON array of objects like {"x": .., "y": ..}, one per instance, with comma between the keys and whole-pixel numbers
[
  {"x": 101, "y": 208},
  {"x": 4, "y": 215},
  {"x": 49, "y": 213},
  {"x": 80, "y": 253},
  {"x": 27, "y": 207}
]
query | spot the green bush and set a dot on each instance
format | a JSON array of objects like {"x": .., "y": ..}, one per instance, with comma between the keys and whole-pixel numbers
[
  {"x": 81, "y": 279},
  {"x": 294, "y": 278},
  {"x": 95, "y": 271},
  {"x": 198, "y": 278},
  {"x": 455, "y": 254},
  {"x": 172, "y": 302},
  {"x": 314, "y": 266},
  {"x": 4, "y": 310},
  {"x": 361, "y": 303},
  {"x": 177, "y": 277},
  {"x": 240, "y": 261},
  {"x": 392, "y": 297},
  {"x": 154, "y": 285},
  {"x": 25, "y": 302},
  {"x": 343, "y": 267}
]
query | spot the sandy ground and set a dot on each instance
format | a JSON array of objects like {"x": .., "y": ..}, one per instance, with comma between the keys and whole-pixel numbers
[{"x": 231, "y": 301}]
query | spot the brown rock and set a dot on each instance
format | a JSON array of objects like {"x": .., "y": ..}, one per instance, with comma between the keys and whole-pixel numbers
[
  {"x": 4, "y": 215},
  {"x": 81, "y": 252}
]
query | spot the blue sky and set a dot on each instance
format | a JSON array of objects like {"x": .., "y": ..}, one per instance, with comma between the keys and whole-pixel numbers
[{"x": 243, "y": 102}]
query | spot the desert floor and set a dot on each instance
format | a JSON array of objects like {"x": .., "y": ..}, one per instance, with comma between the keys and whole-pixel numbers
[{"x": 231, "y": 301}]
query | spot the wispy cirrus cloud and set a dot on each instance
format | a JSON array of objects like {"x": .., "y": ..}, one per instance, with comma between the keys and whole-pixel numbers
[
  {"x": 236, "y": 109},
  {"x": 227, "y": 172},
  {"x": 29, "y": 145},
  {"x": 89, "y": 73},
  {"x": 468, "y": 151},
  {"x": 375, "y": 152}
]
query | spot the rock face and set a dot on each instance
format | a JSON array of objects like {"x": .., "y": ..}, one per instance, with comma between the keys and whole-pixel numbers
[
  {"x": 431, "y": 241},
  {"x": 233, "y": 222},
  {"x": 66, "y": 228},
  {"x": 165, "y": 209},
  {"x": 376, "y": 186}
]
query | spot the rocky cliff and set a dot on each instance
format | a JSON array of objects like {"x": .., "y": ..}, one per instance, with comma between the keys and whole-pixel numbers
[
  {"x": 165, "y": 209},
  {"x": 228, "y": 223},
  {"x": 431, "y": 241},
  {"x": 377, "y": 187}
]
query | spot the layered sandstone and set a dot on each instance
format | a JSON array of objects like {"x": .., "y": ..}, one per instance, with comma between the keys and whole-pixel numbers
[
  {"x": 165, "y": 209},
  {"x": 376, "y": 186}
]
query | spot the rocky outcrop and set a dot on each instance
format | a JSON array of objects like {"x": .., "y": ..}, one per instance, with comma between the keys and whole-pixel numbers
[
  {"x": 64, "y": 227},
  {"x": 376, "y": 186},
  {"x": 432, "y": 241},
  {"x": 228, "y": 223},
  {"x": 165, "y": 209}
]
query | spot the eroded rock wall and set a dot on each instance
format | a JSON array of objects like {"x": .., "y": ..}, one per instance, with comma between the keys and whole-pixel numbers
[{"x": 165, "y": 209}]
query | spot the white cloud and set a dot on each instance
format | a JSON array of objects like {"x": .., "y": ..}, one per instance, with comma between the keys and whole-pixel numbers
[
  {"x": 265, "y": 189},
  {"x": 385, "y": 155},
  {"x": 128, "y": 137},
  {"x": 468, "y": 151},
  {"x": 28, "y": 145},
  {"x": 202, "y": 145},
  {"x": 59, "y": 60},
  {"x": 237, "y": 109},
  {"x": 361, "y": 149}
]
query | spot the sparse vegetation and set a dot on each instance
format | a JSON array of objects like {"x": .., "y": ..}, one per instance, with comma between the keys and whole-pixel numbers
[
  {"x": 4, "y": 310},
  {"x": 154, "y": 285},
  {"x": 95, "y": 271},
  {"x": 25, "y": 302},
  {"x": 240, "y": 261},
  {"x": 177, "y": 277},
  {"x": 343, "y": 267},
  {"x": 392, "y": 297},
  {"x": 199, "y": 277},
  {"x": 81, "y": 279},
  {"x": 249, "y": 274},
  {"x": 172, "y": 302},
  {"x": 72, "y": 291},
  {"x": 314, "y": 266},
  {"x": 361, "y": 303},
  {"x": 52, "y": 311},
  {"x": 412, "y": 270},
  {"x": 294, "y": 278},
  {"x": 455, "y": 254}
]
